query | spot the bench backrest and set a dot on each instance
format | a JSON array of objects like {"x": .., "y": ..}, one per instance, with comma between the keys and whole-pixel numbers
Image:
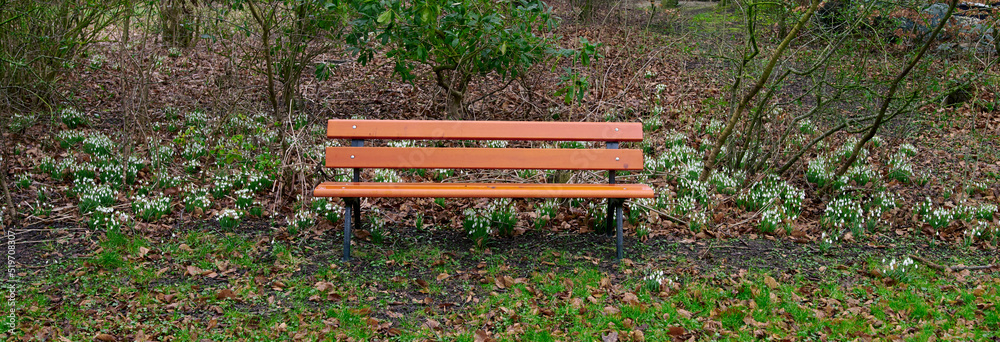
[{"x": 358, "y": 156}]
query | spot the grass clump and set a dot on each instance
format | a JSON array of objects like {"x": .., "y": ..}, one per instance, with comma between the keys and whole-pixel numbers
[
  {"x": 151, "y": 208},
  {"x": 229, "y": 218},
  {"x": 545, "y": 212},
  {"x": 73, "y": 118},
  {"x": 477, "y": 226},
  {"x": 900, "y": 167},
  {"x": 843, "y": 213}
]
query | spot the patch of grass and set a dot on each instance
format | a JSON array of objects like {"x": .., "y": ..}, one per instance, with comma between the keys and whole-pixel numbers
[{"x": 556, "y": 294}]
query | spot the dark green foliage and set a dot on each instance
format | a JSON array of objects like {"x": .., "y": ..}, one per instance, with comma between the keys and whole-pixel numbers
[{"x": 459, "y": 40}]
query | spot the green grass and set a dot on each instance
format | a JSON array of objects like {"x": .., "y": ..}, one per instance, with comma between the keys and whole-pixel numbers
[{"x": 552, "y": 294}]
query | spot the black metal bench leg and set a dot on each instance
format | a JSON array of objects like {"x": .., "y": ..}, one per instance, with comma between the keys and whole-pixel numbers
[
  {"x": 347, "y": 232},
  {"x": 621, "y": 237}
]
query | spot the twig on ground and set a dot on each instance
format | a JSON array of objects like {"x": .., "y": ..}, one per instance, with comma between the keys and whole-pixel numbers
[
  {"x": 34, "y": 242},
  {"x": 668, "y": 216},
  {"x": 952, "y": 268},
  {"x": 23, "y": 231}
]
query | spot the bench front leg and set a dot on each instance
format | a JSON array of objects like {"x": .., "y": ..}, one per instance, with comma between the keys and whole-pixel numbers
[
  {"x": 350, "y": 220},
  {"x": 347, "y": 233},
  {"x": 621, "y": 238}
]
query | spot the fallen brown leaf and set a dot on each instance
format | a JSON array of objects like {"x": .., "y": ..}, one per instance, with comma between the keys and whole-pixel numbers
[
  {"x": 631, "y": 299},
  {"x": 773, "y": 284},
  {"x": 482, "y": 336},
  {"x": 432, "y": 324},
  {"x": 638, "y": 336},
  {"x": 225, "y": 294},
  {"x": 105, "y": 337}
]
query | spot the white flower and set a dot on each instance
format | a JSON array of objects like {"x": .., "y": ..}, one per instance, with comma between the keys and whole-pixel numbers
[
  {"x": 908, "y": 149},
  {"x": 496, "y": 143},
  {"x": 230, "y": 213},
  {"x": 387, "y": 176}
]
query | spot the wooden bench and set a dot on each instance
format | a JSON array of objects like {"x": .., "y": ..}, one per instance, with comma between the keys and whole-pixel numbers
[{"x": 358, "y": 156}]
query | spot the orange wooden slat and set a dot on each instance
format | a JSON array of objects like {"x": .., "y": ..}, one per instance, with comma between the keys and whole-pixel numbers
[
  {"x": 480, "y": 190},
  {"x": 483, "y": 130},
  {"x": 483, "y": 158}
]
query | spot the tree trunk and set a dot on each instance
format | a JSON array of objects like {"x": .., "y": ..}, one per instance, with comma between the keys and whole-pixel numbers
[
  {"x": 587, "y": 10},
  {"x": 454, "y": 88},
  {"x": 128, "y": 24},
  {"x": 176, "y": 22},
  {"x": 453, "y": 106},
  {"x": 782, "y": 22},
  {"x": 6, "y": 191}
]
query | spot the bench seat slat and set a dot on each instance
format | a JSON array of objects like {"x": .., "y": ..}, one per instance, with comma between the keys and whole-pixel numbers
[
  {"x": 483, "y": 158},
  {"x": 481, "y": 190},
  {"x": 483, "y": 130}
]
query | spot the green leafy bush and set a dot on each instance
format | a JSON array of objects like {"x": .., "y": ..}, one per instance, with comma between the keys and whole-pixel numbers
[
  {"x": 458, "y": 40},
  {"x": 40, "y": 41}
]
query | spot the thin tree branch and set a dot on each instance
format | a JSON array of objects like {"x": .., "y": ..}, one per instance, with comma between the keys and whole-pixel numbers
[
  {"x": 887, "y": 98},
  {"x": 761, "y": 81},
  {"x": 956, "y": 268}
]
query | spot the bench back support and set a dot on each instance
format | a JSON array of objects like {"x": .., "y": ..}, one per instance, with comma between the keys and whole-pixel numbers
[
  {"x": 483, "y": 130},
  {"x": 483, "y": 158}
]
